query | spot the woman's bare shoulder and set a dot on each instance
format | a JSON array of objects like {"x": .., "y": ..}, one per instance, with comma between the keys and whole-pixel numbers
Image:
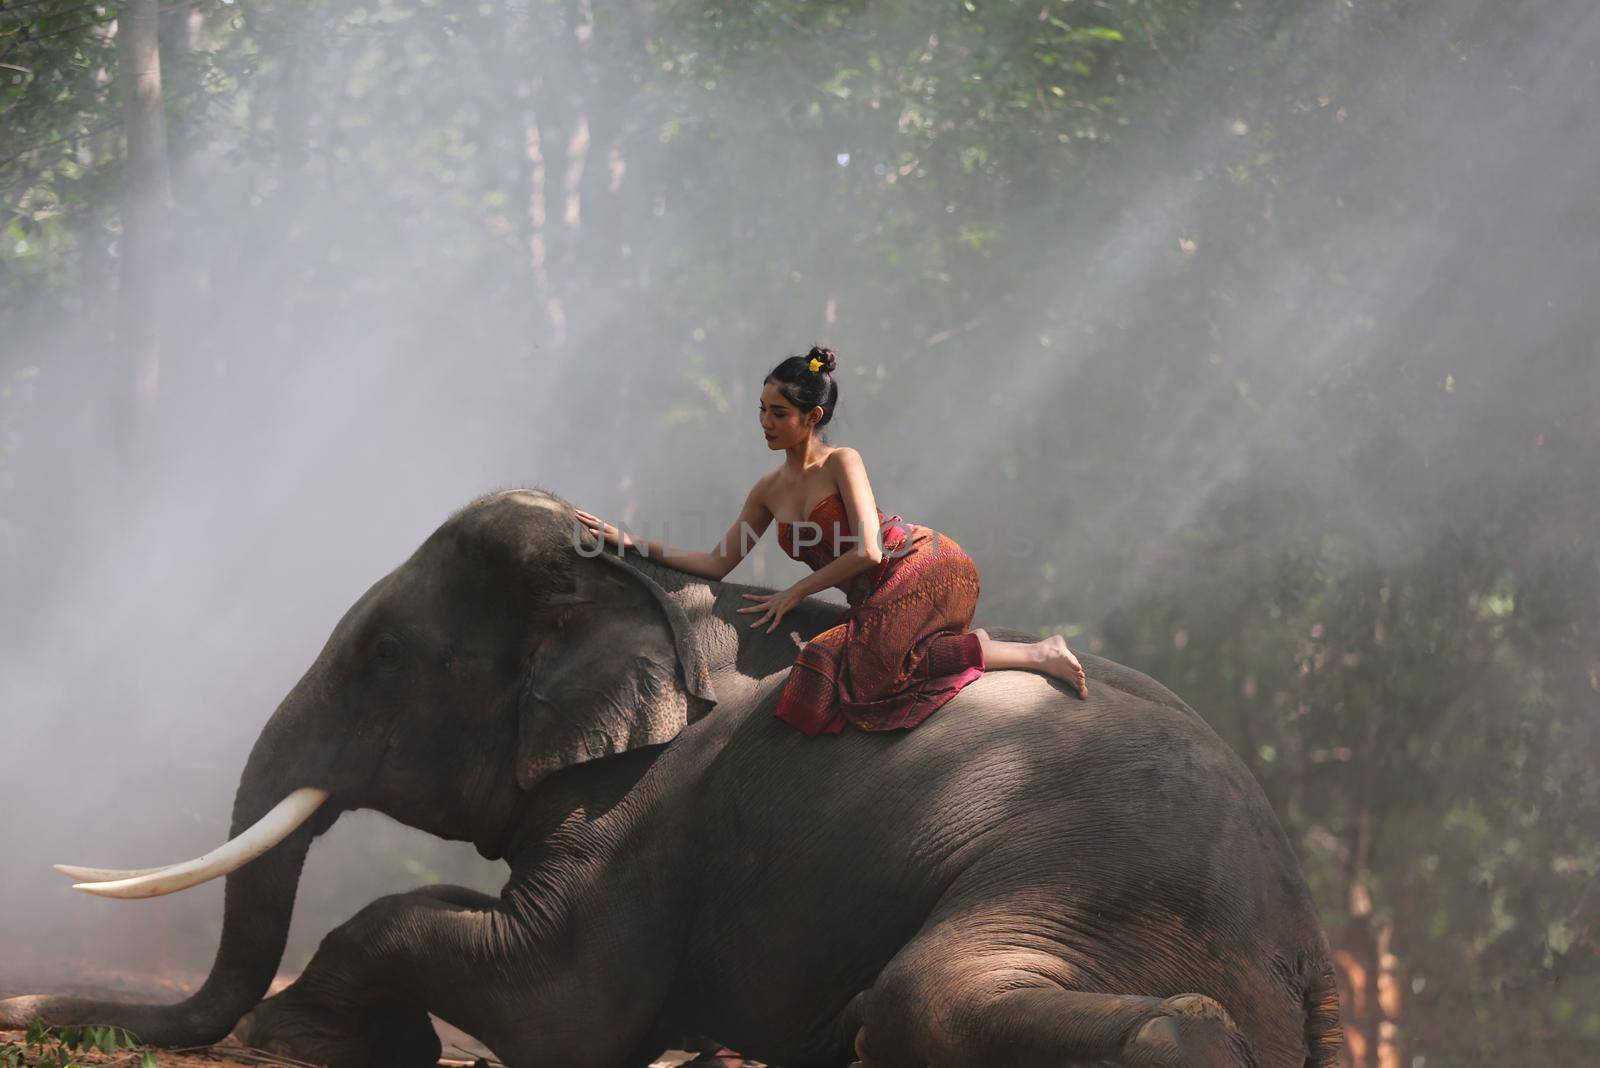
[
  {"x": 843, "y": 458},
  {"x": 762, "y": 490}
]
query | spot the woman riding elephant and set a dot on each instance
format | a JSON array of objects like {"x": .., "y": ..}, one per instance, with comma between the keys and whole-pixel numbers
[
  {"x": 903, "y": 648},
  {"x": 1025, "y": 878}
]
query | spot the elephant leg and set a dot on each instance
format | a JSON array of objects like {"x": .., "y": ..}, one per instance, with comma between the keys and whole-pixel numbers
[
  {"x": 387, "y": 1034},
  {"x": 445, "y": 950},
  {"x": 942, "y": 1003}
]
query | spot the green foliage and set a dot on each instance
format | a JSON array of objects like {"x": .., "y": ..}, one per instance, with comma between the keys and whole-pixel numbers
[{"x": 59, "y": 1047}]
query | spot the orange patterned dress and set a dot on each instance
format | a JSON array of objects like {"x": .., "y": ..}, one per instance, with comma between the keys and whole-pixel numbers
[{"x": 903, "y": 647}]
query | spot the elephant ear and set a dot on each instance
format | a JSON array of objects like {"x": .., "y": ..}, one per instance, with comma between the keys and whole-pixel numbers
[{"x": 620, "y": 670}]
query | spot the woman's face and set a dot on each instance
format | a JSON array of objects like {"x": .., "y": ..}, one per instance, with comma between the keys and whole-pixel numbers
[{"x": 780, "y": 420}]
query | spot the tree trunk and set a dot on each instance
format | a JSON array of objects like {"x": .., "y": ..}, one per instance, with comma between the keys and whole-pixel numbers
[{"x": 146, "y": 199}]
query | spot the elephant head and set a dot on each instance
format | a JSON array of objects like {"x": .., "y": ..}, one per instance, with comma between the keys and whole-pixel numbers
[{"x": 507, "y": 647}]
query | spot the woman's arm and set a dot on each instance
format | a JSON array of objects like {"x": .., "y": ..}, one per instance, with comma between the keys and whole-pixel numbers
[{"x": 754, "y": 518}]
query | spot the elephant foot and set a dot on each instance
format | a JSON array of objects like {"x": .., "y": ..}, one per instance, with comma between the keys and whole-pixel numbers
[
  {"x": 1189, "y": 1031},
  {"x": 386, "y": 1035}
]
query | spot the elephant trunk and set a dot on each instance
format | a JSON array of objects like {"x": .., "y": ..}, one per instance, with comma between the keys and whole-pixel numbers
[{"x": 259, "y": 901}]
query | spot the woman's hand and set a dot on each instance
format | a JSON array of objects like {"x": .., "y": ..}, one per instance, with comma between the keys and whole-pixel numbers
[
  {"x": 773, "y": 606},
  {"x": 603, "y": 530}
]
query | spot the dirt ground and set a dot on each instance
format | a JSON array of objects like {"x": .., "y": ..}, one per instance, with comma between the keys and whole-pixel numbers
[
  {"x": 225, "y": 1054},
  {"x": 86, "y": 980}
]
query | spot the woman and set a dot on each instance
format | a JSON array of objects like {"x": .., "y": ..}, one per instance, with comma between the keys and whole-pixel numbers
[{"x": 903, "y": 647}]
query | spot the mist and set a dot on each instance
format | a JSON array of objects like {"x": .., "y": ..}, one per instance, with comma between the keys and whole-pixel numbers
[{"x": 1309, "y": 282}]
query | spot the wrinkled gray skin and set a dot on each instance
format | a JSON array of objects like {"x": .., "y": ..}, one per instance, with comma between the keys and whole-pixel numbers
[{"x": 1027, "y": 878}]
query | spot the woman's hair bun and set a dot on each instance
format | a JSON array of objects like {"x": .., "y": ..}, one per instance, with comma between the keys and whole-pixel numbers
[{"x": 807, "y": 382}]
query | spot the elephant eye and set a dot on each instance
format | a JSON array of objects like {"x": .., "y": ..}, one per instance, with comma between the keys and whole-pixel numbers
[{"x": 387, "y": 649}]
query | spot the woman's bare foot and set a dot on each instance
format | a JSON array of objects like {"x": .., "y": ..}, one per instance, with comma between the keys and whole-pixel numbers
[
  {"x": 1056, "y": 659},
  {"x": 1050, "y": 656}
]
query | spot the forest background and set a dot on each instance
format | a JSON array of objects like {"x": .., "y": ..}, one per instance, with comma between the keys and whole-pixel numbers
[{"x": 1252, "y": 344}]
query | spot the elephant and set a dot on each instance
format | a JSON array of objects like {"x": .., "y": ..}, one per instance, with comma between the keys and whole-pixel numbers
[{"x": 1026, "y": 878}]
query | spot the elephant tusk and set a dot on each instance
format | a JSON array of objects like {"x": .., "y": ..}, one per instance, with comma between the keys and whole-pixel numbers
[
  {"x": 104, "y": 875},
  {"x": 265, "y": 833}
]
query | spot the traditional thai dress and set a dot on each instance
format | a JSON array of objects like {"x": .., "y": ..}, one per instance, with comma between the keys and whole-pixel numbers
[{"x": 903, "y": 647}]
